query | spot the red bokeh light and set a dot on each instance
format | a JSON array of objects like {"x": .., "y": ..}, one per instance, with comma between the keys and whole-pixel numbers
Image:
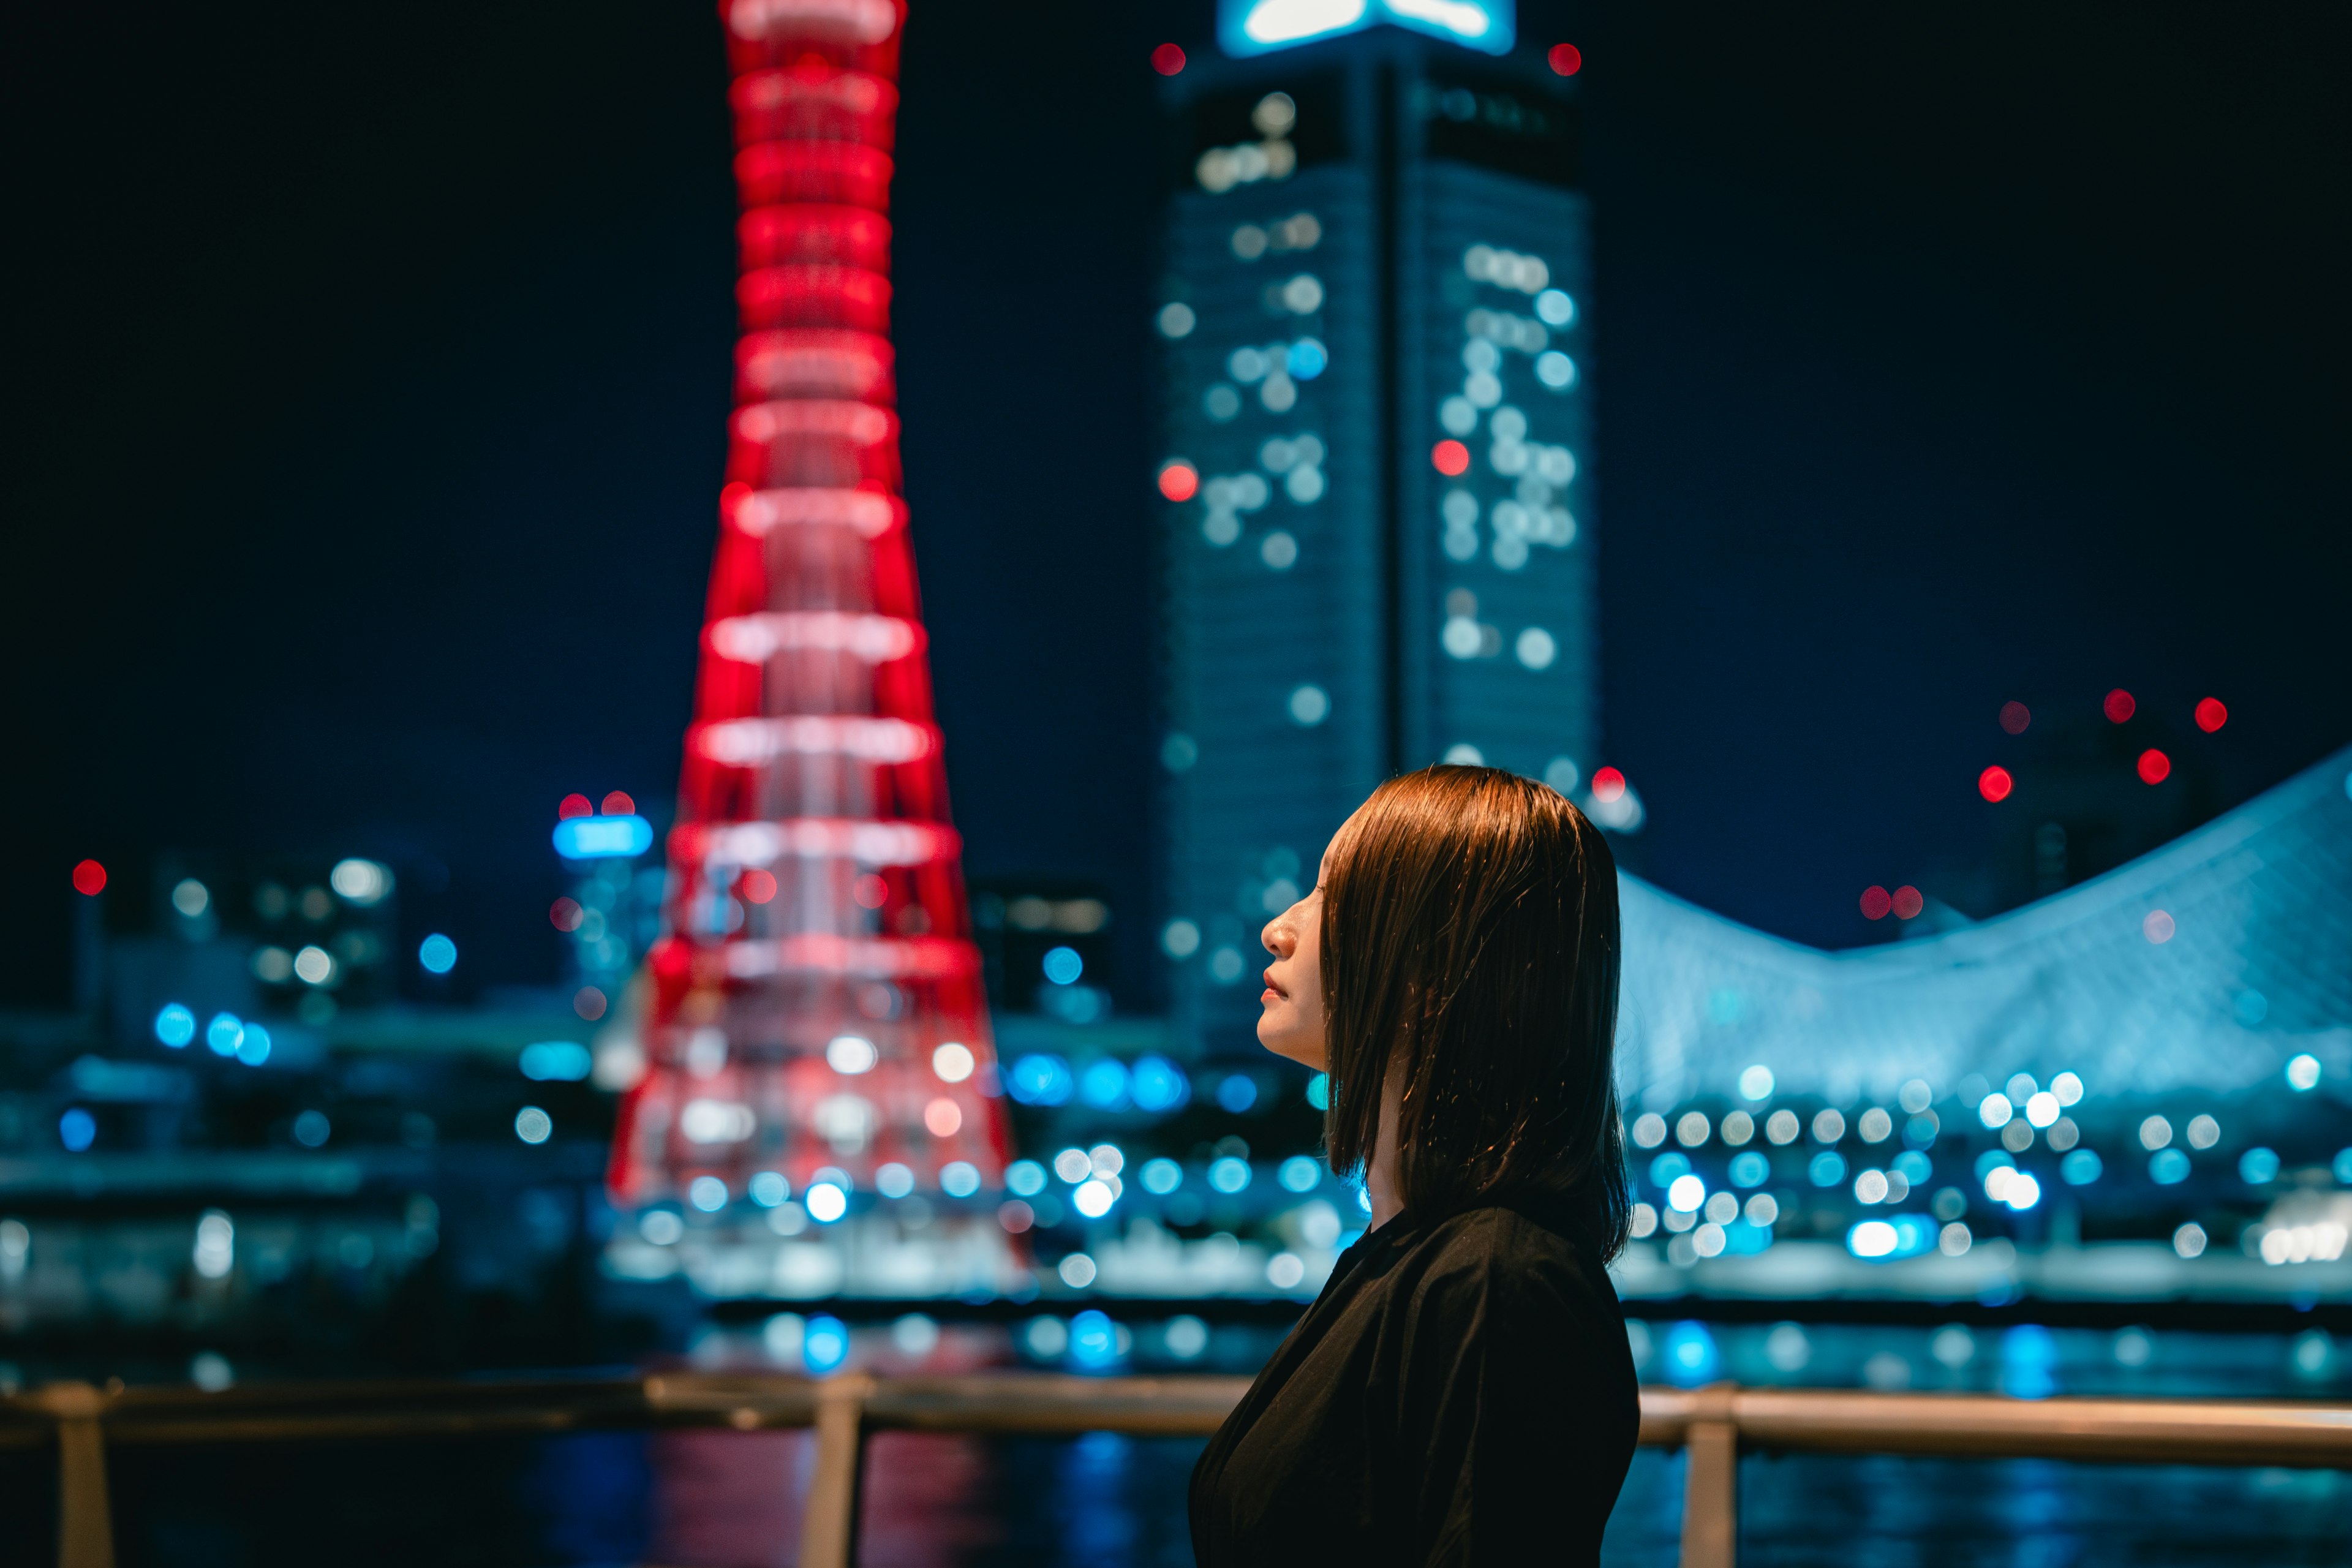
[
  {"x": 1876, "y": 901},
  {"x": 1994, "y": 784},
  {"x": 89, "y": 878},
  {"x": 1566, "y": 59},
  {"x": 2154, "y": 766},
  {"x": 757, "y": 886},
  {"x": 2015, "y": 717},
  {"x": 1608, "y": 785},
  {"x": 2118, "y": 706},
  {"x": 2212, "y": 715},
  {"x": 1179, "y": 482},
  {"x": 1906, "y": 903},
  {"x": 589, "y": 1002},
  {"x": 566, "y": 914},
  {"x": 872, "y": 891},
  {"x": 942, "y": 1117},
  {"x": 1015, "y": 1216},
  {"x": 573, "y": 805},
  {"x": 1451, "y": 458},
  {"x": 618, "y": 804},
  {"x": 1166, "y": 59}
]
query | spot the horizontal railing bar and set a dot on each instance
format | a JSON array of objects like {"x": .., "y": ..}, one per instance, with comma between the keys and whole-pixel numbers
[{"x": 2176, "y": 1431}]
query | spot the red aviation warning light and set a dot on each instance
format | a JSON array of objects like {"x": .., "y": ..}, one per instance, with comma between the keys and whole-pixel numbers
[
  {"x": 1451, "y": 458},
  {"x": 1994, "y": 784},
  {"x": 816, "y": 966},
  {"x": 2212, "y": 715},
  {"x": 2154, "y": 767},
  {"x": 1876, "y": 901},
  {"x": 89, "y": 878},
  {"x": 1179, "y": 480},
  {"x": 1168, "y": 59},
  {"x": 1566, "y": 59},
  {"x": 2118, "y": 706},
  {"x": 1907, "y": 902}
]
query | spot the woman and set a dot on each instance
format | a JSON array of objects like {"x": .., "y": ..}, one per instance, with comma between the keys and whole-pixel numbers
[{"x": 1460, "y": 1392}]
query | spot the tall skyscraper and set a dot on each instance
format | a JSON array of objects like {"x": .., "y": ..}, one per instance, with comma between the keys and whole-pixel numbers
[
  {"x": 816, "y": 1039},
  {"x": 1378, "y": 545}
]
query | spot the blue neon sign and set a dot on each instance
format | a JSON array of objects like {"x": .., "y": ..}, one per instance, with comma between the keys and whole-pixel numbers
[
  {"x": 601, "y": 838},
  {"x": 1262, "y": 26}
]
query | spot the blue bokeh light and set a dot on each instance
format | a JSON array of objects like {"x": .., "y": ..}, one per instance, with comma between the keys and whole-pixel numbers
[
  {"x": 2167, "y": 1167},
  {"x": 555, "y": 1061},
  {"x": 1307, "y": 359},
  {"x": 1229, "y": 1175},
  {"x": 176, "y": 1026},
  {"x": 1669, "y": 1167},
  {"x": 1104, "y": 1084},
  {"x": 1094, "y": 1338},
  {"x": 1300, "y": 1174},
  {"x": 253, "y": 1047},
  {"x": 1749, "y": 1169},
  {"x": 1827, "y": 1169},
  {"x": 224, "y": 1034},
  {"x": 1063, "y": 966},
  {"x": 824, "y": 1344},
  {"x": 1691, "y": 1357},
  {"x": 77, "y": 1129},
  {"x": 2258, "y": 1166},
  {"x": 437, "y": 954},
  {"x": 1237, "y": 1092},
  {"x": 1318, "y": 1091},
  {"x": 602, "y": 837},
  {"x": 1156, "y": 1084},
  {"x": 2080, "y": 1168},
  {"x": 1040, "y": 1079}
]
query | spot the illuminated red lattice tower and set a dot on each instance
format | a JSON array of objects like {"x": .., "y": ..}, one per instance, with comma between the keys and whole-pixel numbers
[{"x": 817, "y": 1009}]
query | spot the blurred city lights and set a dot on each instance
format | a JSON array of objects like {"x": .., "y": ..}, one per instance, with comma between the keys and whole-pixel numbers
[
  {"x": 2210, "y": 715},
  {"x": 77, "y": 1129},
  {"x": 2015, "y": 717},
  {"x": 1236, "y": 1092},
  {"x": 1168, "y": 59},
  {"x": 1876, "y": 902},
  {"x": 176, "y": 1026},
  {"x": 2154, "y": 766},
  {"x": 312, "y": 1129},
  {"x": 573, "y": 805},
  {"x": 2118, "y": 706},
  {"x": 253, "y": 1046},
  {"x": 1994, "y": 784},
  {"x": 555, "y": 1061},
  {"x": 360, "y": 882},
  {"x": 1179, "y": 480},
  {"x": 825, "y": 1202},
  {"x": 1565, "y": 59},
  {"x": 589, "y": 1002},
  {"x": 224, "y": 1034},
  {"x": 952, "y": 1062},
  {"x": 1906, "y": 903},
  {"x": 602, "y": 837},
  {"x": 616, "y": 802},
  {"x": 959, "y": 1178},
  {"x": 533, "y": 1125},
  {"x": 1229, "y": 1175},
  {"x": 824, "y": 1344},
  {"x": 1450, "y": 457},
  {"x": 2303, "y": 1072},
  {"x": 214, "y": 1253},
  {"x": 1756, "y": 1082},
  {"x": 437, "y": 953},
  {"x": 89, "y": 879},
  {"x": 851, "y": 1055},
  {"x": 1300, "y": 1174}
]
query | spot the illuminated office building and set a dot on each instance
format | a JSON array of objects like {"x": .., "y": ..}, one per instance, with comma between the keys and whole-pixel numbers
[{"x": 1376, "y": 471}]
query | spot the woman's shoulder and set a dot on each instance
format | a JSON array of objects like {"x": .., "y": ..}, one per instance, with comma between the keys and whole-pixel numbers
[{"x": 1513, "y": 1251}]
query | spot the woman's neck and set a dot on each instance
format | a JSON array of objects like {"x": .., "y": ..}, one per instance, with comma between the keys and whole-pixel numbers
[{"x": 1381, "y": 1171}]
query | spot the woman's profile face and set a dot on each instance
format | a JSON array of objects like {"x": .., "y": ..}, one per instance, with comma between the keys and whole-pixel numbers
[{"x": 1291, "y": 1022}]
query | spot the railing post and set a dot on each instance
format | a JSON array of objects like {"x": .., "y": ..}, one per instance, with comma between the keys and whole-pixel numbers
[
  {"x": 85, "y": 1528},
  {"x": 829, "y": 1523},
  {"x": 1711, "y": 1481}
]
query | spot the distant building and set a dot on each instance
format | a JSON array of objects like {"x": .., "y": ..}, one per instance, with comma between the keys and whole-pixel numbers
[{"x": 1376, "y": 460}]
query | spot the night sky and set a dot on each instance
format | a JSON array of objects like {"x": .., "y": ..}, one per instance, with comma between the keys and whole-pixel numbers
[{"x": 368, "y": 372}]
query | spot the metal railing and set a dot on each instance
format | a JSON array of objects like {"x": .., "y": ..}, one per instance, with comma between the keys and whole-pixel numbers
[{"x": 1712, "y": 1423}]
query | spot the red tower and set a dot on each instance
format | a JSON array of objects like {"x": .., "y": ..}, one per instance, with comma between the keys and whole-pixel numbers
[{"x": 815, "y": 1012}]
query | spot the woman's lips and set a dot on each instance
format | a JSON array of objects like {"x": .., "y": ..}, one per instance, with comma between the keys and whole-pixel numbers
[{"x": 1272, "y": 987}]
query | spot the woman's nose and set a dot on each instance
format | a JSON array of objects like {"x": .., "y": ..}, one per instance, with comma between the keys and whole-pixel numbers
[{"x": 1277, "y": 938}]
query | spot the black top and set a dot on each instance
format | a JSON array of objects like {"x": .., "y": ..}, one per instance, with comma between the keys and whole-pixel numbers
[{"x": 1461, "y": 1393}]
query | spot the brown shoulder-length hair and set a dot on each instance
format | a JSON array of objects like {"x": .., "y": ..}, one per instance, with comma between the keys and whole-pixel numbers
[{"x": 1470, "y": 944}]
